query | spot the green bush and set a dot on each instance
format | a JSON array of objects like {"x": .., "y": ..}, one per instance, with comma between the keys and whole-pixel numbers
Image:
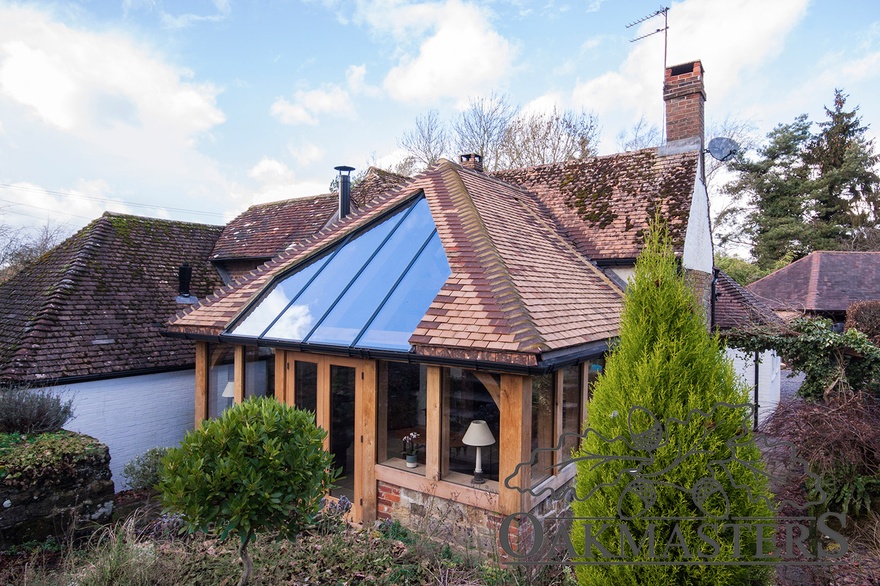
[
  {"x": 260, "y": 466},
  {"x": 664, "y": 452},
  {"x": 27, "y": 410},
  {"x": 864, "y": 316},
  {"x": 143, "y": 471}
]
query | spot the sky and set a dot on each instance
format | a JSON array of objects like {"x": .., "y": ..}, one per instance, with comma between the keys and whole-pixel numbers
[{"x": 195, "y": 110}]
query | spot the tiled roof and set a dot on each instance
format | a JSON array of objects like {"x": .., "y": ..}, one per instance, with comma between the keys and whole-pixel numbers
[
  {"x": 737, "y": 307},
  {"x": 822, "y": 281},
  {"x": 265, "y": 230},
  {"x": 604, "y": 204},
  {"x": 517, "y": 287},
  {"x": 96, "y": 303}
]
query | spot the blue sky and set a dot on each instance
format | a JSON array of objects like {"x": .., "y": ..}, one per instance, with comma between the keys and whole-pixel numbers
[{"x": 195, "y": 110}]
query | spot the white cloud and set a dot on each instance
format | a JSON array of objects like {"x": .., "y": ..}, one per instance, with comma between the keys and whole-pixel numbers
[
  {"x": 355, "y": 77},
  {"x": 713, "y": 32},
  {"x": 222, "y": 7},
  {"x": 306, "y": 154},
  {"x": 277, "y": 181},
  {"x": 24, "y": 204},
  {"x": 307, "y": 105},
  {"x": 458, "y": 53}
]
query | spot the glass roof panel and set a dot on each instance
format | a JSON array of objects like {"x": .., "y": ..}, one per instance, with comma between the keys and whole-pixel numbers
[
  {"x": 346, "y": 320},
  {"x": 402, "y": 312},
  {"x": 276, "y": 301},
  {"x": 309, "y": 307}
]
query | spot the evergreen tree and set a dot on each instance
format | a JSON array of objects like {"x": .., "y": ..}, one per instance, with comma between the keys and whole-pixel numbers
[
  {"x": 777, "y": 184},
  {"x": 811, "y": 191},
  {"x": 846, "y": 190},
  {"x": 660, "y": 451}
]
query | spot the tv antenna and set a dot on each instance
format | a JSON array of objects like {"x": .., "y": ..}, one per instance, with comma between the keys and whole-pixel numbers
[{"x": 664, "y": 10}]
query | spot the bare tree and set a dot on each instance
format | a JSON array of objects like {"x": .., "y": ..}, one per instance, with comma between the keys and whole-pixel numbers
[
  {"x": 21, "y": 247},
  {"x": 427, "y": 142},
  {"x": 642, "y": 135},
  {"x": 481, "y": 128},
  {"x": 541, "y": 138}
]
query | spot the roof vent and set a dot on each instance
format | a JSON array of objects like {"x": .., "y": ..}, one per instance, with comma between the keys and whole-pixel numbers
[
  {"x": 471, "y": 161},
  {"x": 344, "y": 190},
  {"x": 184, "y": 278}
]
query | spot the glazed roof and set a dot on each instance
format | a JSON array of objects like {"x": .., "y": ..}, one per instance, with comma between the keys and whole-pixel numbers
[
  {"x": 822, "y": 281},
  {"x": 737, "y": 307},
  {"x": 265, "y": 230},
  {"x": 518, "y": 287},
  {"x": 95, "y": 304},
  {"x": 604, "y": 204}
]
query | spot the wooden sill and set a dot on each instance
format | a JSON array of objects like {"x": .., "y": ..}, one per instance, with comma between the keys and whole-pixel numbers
[{"x": 457, "y": 488}]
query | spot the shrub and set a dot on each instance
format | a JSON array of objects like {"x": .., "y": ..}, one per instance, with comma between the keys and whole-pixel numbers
[
  {"x": 31, "y": 411},
  {"x": 260, "y": 466},
  {"x": 143, "y": 471},
  {"x": 864, "y": 316},
  {"x": 665, "y": 453},
  {"x": 840, "y": 440}
]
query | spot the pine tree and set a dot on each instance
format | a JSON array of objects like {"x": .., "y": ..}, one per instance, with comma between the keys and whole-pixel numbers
[
  {"x": 846, "y": 190},
  {"x": 650, "y": 458},
  {"x": 777, "y": 184}
]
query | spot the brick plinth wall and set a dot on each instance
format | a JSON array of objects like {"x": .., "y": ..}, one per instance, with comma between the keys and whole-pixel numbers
[{"x": 465, "y": 526}]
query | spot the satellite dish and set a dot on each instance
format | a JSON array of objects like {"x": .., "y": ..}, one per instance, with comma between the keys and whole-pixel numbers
[{"x": 723, "y": 148}]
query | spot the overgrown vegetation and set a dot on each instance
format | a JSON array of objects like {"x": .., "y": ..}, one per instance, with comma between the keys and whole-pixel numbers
[
  {"x": 864, "y": 316},
  {"x": 143, "y": 471},
  {"x": 260, "y": 466},
  {"x": 832, "y": 362},
  {"x": 31, "y": 411},
  {"x": 662, "y": 452},
  {"x": 44, "y": 458}
]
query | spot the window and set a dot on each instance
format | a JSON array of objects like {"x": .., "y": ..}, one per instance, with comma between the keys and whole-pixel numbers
[
  {"x": 468, "y": 396},
  {"x": 402, "y": 414},
  {"x": 572, "y": 410},
  {"x": 221, "y": 373},
  {"x": 305, "y": 386},
  {"x": 259, "y": 372},
  {"x": 369, "y": 291},
  {"x": 543, "y": 436}
]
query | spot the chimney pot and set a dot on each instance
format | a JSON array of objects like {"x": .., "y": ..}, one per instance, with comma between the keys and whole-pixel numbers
[
  {"x": 685, "y": 96},
  {"x": 344, "y": 190},
  {"x": 471, "y": 161}
]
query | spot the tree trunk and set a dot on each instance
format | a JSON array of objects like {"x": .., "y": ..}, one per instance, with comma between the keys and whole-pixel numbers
[{"x": 246, "y": 560}]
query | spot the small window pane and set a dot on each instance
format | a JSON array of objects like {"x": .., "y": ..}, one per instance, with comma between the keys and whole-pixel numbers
[
  {"x": 571, "y": 410},
  {"x": 342, "y": 381},
  {"x": 259, "y": 372},
  {"x": 220, "y": 379},
  {"x": 305, "y": 386},
  {"x": 403, "y": 311},
  {"x": 402, "y": 413},
  {"x": 543, "y": 439},
  {"x": 346, "y": 320},
  {"x": 299, "y": 319}
]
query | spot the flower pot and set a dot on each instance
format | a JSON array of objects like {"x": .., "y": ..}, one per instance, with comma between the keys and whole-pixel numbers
[{"x": 412, "y": 461}]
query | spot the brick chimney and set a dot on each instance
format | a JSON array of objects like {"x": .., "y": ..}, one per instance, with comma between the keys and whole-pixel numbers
[
  {"x": 685, "y": 97},
  {"x": 471, "y": 161}
]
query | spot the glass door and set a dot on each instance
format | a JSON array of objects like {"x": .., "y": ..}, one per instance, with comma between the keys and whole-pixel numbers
[
  {"x": 342, "y": 432},
  {"x": 333, "y": 388}
]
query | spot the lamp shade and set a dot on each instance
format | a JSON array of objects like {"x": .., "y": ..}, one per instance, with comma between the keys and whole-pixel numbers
[
  {"x": 229, "y": 390},
  {"x": 478, "y": 434}
]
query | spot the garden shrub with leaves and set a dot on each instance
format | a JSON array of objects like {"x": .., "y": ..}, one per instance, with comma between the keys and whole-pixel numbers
[
  {"x": 864, "y": 316},
  {"x": 831, "y": 362},
  {"x": 260, "y": 466},
  {"x": 30, "y": 411},
  {"x": 143, "y": 471},
  {"x": 660, "y": 451}
]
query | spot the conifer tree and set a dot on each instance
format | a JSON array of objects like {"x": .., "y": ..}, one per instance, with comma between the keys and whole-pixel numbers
[{"x": 661, "y": 457}]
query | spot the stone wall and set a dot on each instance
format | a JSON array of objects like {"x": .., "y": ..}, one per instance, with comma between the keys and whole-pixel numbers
[
  {"x": 51, "y": 486},
  {"x": 467, "y": 527}
]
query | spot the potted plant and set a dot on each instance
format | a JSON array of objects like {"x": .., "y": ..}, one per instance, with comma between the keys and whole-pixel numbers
[{"x": 410, "y": 449}]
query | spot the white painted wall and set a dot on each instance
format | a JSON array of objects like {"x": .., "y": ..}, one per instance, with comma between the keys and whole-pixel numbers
[
  {"x": 769, "y": 378},
  {"x": 697, "y": 254},
  {"x": 133, "y": 414}
]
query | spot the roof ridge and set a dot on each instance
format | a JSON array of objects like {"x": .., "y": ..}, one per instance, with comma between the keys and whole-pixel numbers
[
  {"x": 813, "y": 283},
  {"x": 507, "y": 296}
]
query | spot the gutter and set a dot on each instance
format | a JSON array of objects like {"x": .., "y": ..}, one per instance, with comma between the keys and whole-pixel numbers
[
  {"x": 84, "y": 378},
  {"x": 553, "y": 360}
]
